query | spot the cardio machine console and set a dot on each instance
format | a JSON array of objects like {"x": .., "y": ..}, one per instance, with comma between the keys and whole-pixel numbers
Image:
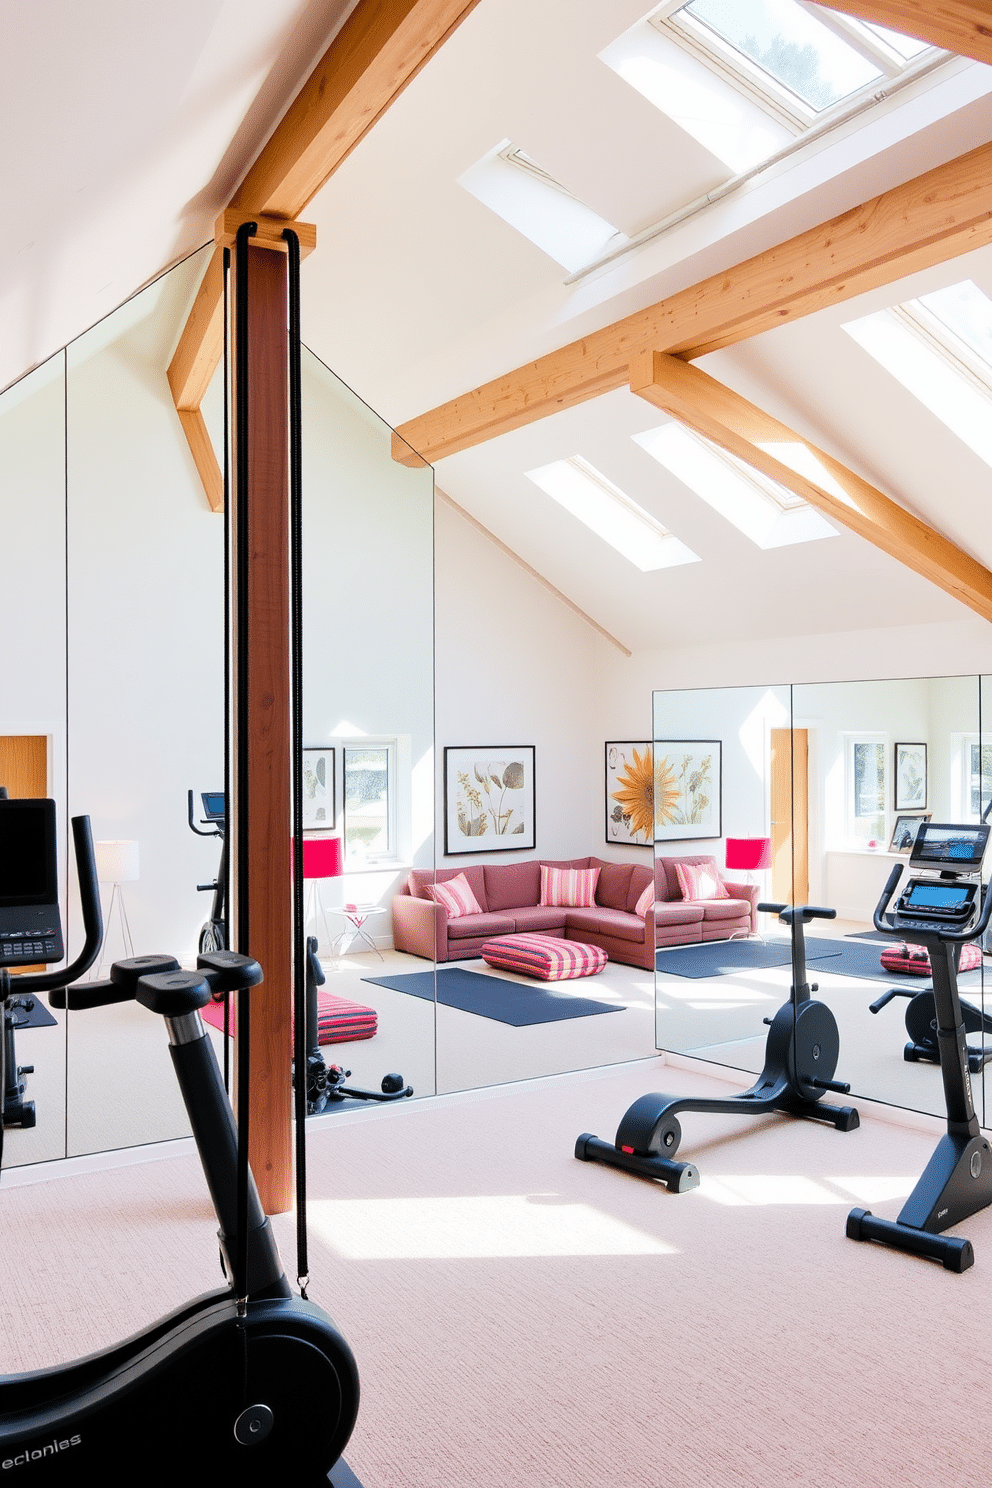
[
  {"x": 30, "y": 924},
  {"x": 949, "y": 900}
]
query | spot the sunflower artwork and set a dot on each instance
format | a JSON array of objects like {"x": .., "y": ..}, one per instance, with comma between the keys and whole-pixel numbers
[
  {"x": 629, "y": 793},
  {"x": 687, "y": 789}
]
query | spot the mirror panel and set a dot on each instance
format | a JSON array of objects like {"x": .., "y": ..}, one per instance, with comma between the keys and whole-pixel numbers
[
  {"x": 723, "y": 792},
  {"x": 33, "y": 712},
  {"x": 145, "y": 622},
  {"x": 368, "y": 714}
]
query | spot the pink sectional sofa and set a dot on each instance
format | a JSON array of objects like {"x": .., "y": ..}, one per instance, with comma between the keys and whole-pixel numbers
[{"x": 509, "y": 894}]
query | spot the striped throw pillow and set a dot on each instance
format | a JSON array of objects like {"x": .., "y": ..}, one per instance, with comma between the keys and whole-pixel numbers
[
  {"x": 700, "y": 881},
  {"x": 572, "y": 888},
  {"x": 455, "y": 895},
  {"x": 645, "y": 902}
]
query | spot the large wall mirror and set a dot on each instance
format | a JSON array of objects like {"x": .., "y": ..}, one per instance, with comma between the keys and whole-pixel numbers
[
  {"x": 112, "y": 613},
  {"x": 821, "y": 788}
]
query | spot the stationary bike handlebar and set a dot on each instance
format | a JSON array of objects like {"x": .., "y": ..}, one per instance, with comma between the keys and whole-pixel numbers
[
  {"x": 89, "y": 893},
  {"x": 955, "y": 937},
  {"x": 788, "y": 912}
]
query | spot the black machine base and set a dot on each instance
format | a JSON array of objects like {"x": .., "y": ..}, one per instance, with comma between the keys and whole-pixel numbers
[{"x": 678, "y": 1177}]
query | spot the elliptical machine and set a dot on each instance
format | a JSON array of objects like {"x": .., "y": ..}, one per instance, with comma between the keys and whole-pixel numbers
[
  {"x": 275, "y": 1383},
  {"x": 941, "y": 909},
  {"x": 800, "y": 1058}
]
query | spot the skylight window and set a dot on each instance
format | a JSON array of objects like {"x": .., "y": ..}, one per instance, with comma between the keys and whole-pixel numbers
[
  {"x": 939, "y": 348},
  {"x": 582, "y": 490},
  {"x": 766, "y": 512},
  {"x": 784, "y": 41},
  {"x": 745, "y": 77},
  {"x": 526, "y": 196}
]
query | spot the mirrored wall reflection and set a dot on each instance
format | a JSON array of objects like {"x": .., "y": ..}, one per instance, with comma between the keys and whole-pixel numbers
[
  {"x": 146, "y": 717},
  {"x": 33, "y": 707},
  {"x": 859, "y": 764},
  {"x": 368, "y": 725}
]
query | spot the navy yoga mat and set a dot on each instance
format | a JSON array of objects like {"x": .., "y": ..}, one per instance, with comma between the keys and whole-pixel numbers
[
  {"x": 722, "y": 957},
  {"x": 517, "y": 1003}
]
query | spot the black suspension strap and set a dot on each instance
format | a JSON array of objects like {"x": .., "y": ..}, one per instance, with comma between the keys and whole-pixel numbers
[
  {"x": 300, "y": 1050},
  {"x": 223, "y": 868},
  {"x": 242, "y": 558}
]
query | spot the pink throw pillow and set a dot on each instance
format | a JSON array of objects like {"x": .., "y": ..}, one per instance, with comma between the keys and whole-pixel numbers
[
  {"x": 455, "y": 895},
  {"x": 700, "y": 881},
  {"x": 645, "y": 902},
  {"x": 572, "y": 888}
]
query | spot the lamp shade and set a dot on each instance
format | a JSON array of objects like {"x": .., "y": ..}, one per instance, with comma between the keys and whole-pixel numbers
[
  {"x": 749, "y": 853},
  {"x": 322, "y": 857},
  {"x": 116, "y": 862}
]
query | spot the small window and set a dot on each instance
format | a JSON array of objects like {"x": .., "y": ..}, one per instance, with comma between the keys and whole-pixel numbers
[
  {"x": 976, "y": 778},
  {"x": 369, "y": 809},
  {"x": 867, "y": 789}
]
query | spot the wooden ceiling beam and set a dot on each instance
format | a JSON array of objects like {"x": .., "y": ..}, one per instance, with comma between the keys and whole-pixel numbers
[
  {"x": 719, "y": 414},
  {"x": 925, "y": 221},
  {"x": 379, "y": 50},
  {"x": 963, "y": 26}
]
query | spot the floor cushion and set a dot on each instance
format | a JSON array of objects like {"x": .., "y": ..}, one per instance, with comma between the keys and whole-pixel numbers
[
  {"x": 915, "y": 959},
  {"x": 544, "y": 956},
  {"x": 339, "y": 1021}
]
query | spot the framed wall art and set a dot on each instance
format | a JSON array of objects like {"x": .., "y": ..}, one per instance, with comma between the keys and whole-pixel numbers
[
  {"x": 688, "y": 789},
  {"x": 905, "y": 828},
  {"x": 319, "y": 790},
  {"x": 911, "y": 777},
  {"x": 630, "y": 793},
  {"x": 488, "y": 798}
]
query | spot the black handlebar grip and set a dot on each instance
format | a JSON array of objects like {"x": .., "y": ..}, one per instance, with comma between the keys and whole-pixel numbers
[
  {"x": 771, "y": 908},
  {"x": 817, "y": 912},
  {"x": 89, "y": 894},
  {"x": 88, "y": 995},
  {"x": 887, "y": 892}
]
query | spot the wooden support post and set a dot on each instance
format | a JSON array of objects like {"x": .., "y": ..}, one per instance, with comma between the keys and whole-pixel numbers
[{"x": 270, "y": 921}]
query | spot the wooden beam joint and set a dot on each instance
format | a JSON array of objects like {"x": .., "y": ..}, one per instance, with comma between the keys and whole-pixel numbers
[{"x": 270, "y": 230}]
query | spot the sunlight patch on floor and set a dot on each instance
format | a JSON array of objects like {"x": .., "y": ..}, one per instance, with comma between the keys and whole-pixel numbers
[
  {"x": 875, "y": 1188},
  {"x": 474, "y": 1227},
  {"x": 766, "y": 1188}
]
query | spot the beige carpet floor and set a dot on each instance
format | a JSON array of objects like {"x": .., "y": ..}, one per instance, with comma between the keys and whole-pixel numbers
[{"x": 521, "y": 1318}]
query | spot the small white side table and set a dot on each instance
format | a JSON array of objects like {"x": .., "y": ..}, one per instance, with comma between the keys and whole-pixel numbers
[{"x": 357, "y": 915}]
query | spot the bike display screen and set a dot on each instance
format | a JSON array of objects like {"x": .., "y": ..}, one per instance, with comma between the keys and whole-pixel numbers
[
  {"x": 938, "y": 896},
  {"x": 940, "y": 845},
  {"x": 213, "y": 805},
  {"x": 27, "y": 853}
]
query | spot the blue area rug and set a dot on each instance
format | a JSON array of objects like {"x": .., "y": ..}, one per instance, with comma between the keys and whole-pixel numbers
[
  {"x": 851, "y": 956},
  {"x": 722, "y": 957},
  {"x": 516, "y": 1003}
]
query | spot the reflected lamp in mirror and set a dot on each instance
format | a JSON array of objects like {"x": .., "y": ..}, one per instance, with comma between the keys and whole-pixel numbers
[
  {"x": 323, "y": 857},
  {"x": 749, "y": 854},
  {"x": 116, "y": 864}
]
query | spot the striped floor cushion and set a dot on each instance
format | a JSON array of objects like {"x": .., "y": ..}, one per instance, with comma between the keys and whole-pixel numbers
[
  {"x": 915, "y": 959},
  {"x": 338, "y": 1020},
  {"x": 544, "y": 956}
]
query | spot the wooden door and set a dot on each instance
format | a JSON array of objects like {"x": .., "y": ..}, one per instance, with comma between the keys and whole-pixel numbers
[
  {"x": 790, "y": 815},
  {"x": 24, "y": 765}
]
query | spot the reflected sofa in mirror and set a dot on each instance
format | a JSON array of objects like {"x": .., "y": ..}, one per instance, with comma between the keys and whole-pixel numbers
[
  {"x": 723, "y": 774},
  {"x": 866, "y": 760},
  {"x": 33, "y": 710}
]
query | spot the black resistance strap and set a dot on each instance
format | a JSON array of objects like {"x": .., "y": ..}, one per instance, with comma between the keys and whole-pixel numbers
[{"x": 300, "y": 1050}]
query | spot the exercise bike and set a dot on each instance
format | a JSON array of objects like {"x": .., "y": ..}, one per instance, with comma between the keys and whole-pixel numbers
[
  {"x": 246, "y": 1383},
  {"x": 326, "y": 1083},
  {"x": 213, "y": 935},
  {"x": 941, "y": 909},
  {"x": 921, "y": 1025},
  {"x": 801, "y": 1054}
]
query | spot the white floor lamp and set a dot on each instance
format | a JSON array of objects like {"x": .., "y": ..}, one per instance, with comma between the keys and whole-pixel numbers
[{"x": 116, "y": 864}]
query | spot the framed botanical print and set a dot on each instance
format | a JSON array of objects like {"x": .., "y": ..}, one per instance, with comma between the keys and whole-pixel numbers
[
  {"x": 911, "y": 777},
  {"x": 319, "y": 790},
  {"x": 688, "y": 786},
  {"x": 488, "y": 798}
]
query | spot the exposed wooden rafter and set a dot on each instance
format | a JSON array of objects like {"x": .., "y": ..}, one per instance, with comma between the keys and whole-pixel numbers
[
  {"x": 934, "y": 217},
  {"x": 963, "y": 26},
  {"x": 719, "y": 414},
  {"x": 379, "y": 50}
]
